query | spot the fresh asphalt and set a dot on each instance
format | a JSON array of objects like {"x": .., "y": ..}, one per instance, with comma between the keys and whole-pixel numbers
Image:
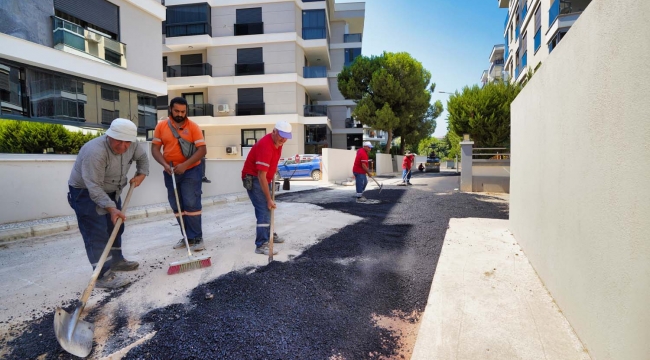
[{"x": 323, "y": 303}]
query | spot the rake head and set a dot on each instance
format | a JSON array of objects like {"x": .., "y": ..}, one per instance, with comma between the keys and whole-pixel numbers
[{"x": 188, "y": 264}]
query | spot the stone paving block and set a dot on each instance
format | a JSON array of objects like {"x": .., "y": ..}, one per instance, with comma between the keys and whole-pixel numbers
[
  {"x": 14, "y": 234},
  {"x": 156, "y": 211},
  {"x": 136, "y": 214},
  {"x": 48, "y": 229}
]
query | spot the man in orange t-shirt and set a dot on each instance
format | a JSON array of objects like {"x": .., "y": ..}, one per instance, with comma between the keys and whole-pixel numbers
[{"x": 186, "y": 170}]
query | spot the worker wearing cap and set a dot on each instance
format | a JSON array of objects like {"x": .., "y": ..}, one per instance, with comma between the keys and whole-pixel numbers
[
  {"x": 360, "y": 170},
  {"x": 257, "y": 176},
  {"x": 407, "y": 164},
  {"x": 96, "y": 181},
  {"x": 166, "y": 149}
]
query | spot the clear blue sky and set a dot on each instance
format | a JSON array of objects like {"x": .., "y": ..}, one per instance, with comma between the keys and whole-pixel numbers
[{"x": 451, "y": 38}]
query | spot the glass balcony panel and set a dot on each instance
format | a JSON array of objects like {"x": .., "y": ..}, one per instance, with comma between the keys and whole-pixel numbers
[
  {"x": 315, "y": 110},
  {"x": 314, "y": 33},
  {"x": 249, "y": 69},
  {"x": 102, "y": 47},
  {"x": 314, "y": 72},
  {"x": 249, "y": 109},
  {"x": 249, "y": 29},
  {"x": 553, "y": 12},
  {"x": 538, "y": 39},
  {"x": 350, "y": 38},
  {"x": 188, "y": 29},
  {"x": 200, "y": 110},
  {"x": 189, "y": 70}
]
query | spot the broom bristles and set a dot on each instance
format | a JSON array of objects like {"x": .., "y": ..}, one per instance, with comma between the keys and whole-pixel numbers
[{"x": 187, "y": 265}]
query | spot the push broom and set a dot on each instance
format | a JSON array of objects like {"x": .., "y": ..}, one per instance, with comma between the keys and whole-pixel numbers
[{"x": 192, "y": 262}]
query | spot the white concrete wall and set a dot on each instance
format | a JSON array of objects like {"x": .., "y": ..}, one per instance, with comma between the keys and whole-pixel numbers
[
  {"x": 141, "y": 32},
  {"x": 337, "y": 164},
  {"x": 580, "y": 204},
  {"x": 277, "y": 17},
  {"x": 38, "y": 188},
  {"x": 384, "y": 164},
  {"x": 278, "y": 58}
]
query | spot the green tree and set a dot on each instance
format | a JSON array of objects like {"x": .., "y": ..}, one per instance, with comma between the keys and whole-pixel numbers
[
  {"x": 392, "y": 93},
  {"x": 440, "y": 147},
  {"x": 483, "y": 113}
]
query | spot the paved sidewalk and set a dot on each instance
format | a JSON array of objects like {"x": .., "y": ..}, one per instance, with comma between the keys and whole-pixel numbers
[{"x": 486, "y": 302}]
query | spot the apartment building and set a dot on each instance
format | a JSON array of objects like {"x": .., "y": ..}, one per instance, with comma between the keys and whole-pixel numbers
[
  {"x": 243, "y": 65},
  {"x": 495, "y": 72},
  {"x": 81, "y": 62},
  {"x": 533, "y": 28}
]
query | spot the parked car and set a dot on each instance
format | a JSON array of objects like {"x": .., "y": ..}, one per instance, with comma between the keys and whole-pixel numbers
[{"x": 308, "y": 166}]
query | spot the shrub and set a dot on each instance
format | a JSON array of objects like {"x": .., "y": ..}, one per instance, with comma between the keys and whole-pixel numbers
[{"x": 26, "y": 137}]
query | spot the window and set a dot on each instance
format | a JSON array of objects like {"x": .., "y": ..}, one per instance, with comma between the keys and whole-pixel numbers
[
  {"x": 11, "y": 91},
  {"x": 100, "y": 15},
  {"x": 191, "y": 59},
  {"x": 317, "y": 137},
  {"x": 109, "y": 115},
  {"x": 350, "y": 55},
  {"x": 186, "y": 20},
  {"x": 314, "y": 24},
  {"x": 146, "y": 112},
  {"x": 110, "y": 94},
  {"x": 164, "y": 63},
  {"x": 249, "y": 62},
  {"x": 250, "y": 102},
  {"x": 250, "y": 137},
  {"x": 538, "y": 29}
]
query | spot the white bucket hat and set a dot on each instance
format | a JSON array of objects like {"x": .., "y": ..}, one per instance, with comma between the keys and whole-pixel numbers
[
  {"x": 123, "y": 130},
  {"x": 368, "y": 144},
  {"x": 284, "y": 129}
]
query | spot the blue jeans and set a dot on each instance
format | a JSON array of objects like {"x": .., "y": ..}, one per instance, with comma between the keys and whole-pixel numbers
[
  {"x": 96, "y": 229},
  {"x": 262, "y": 213},
  {"x": 406, "y": 175},
  {"x": 188, "y": 186},
  {"x": 361, "y": 183}
]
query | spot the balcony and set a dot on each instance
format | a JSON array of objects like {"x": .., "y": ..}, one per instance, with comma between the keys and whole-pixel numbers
[
  {"x": 69, "y": 37},
  {"x": 189, "y": 70},
  {"x": 310, "y": 72},
  {"x": 174, "y": 30},
  {"x": 249, "y": 109},
  {"x": 538, "y": 39},
  {"x": 315, "y": 110},
  {"x": 352, "y": 38},
  {"x": 350, "y": 123},
  {"x": 314, "y": 33},
  {"x": 249, "y": 29},
  {"x": 200, "y": 110},
  {"x": 249, "y": 69}
]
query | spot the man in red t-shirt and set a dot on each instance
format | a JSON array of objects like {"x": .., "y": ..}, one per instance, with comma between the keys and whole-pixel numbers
[
  {"x": 257, "y": 175},
  {"x": 360, "y": 169},
  {"x": 166, "y": 149},
  {"x": 407, "y": 163}
]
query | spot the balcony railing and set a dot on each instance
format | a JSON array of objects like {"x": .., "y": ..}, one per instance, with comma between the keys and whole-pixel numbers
[
  {"x": 249, "y": 29},
  {"x": 517, "y": 30},
  {"x": 174, "y": 30},
  {"x": 249, "y": 109},
  {"x": 315, "y": 110},
  {"x": 66, "y": 33},
  {"x": 538, "y": 39},
  {"x": 249, "y": 69},
  {"x": 524, "y": 60},
  {"x": 351, "y": 38},
  {"x": 200, "y": 110},
  {"x": 314, "y": 72},
  {"x": 189, "y": 70},
  {"x": 314, "y": 33},
  {"x": 351, "y": 123},
  {"x": 498, "y": 62}
]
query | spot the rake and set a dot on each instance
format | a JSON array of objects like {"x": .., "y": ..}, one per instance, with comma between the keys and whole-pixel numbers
[{"x": 192, "y": 262}]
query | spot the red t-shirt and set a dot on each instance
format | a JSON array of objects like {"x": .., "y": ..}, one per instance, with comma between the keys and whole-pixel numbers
[
  {"x": 408, "y": 161},
  {"x": 263, "y": 156},
  {"x": 362, "y": 157}
]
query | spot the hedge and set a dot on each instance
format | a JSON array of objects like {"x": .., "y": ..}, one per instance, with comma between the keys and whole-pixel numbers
[{"x": 26, "y": 137}]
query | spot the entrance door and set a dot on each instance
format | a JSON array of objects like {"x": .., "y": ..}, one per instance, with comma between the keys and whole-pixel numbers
[{"x": 195, "y": 105}]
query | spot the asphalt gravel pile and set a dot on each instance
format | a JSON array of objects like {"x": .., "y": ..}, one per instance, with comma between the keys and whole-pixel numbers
[{"x": 322, "y": 304}]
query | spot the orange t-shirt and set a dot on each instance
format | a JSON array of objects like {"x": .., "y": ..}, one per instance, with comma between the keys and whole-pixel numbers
[{"x": 171, "y": 148}]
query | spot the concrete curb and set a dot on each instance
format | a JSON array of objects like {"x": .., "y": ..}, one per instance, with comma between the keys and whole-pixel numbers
[{"x": 61, "y": 226}]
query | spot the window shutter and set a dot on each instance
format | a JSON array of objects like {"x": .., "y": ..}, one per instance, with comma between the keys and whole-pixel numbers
[
  {"x": 538, "y": 19},
  {"x": 191, "y": 59},
  {"x": 100, "y": 13},
  {"x": 250, "y": 56},
  {"x": 250, "y": 96},
  {"x": 249, "y": 16}
]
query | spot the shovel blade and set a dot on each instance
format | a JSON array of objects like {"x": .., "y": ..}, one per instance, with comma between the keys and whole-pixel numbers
[{"x": 74, "y": 335}]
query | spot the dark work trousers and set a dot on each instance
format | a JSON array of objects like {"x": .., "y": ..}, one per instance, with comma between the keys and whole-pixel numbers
[
  {"x": 262, "y": 213},
  {"x": 202, "y": 168},
  {"x": 96, "y": 229},
  {"x": 188, "y": 186}
]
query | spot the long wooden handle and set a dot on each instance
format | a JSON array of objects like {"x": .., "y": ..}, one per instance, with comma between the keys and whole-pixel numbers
[
  {"x": 180, "y": 213},
  {"x": 272, "y": 223},
  {"x": 107, "y": 249}
]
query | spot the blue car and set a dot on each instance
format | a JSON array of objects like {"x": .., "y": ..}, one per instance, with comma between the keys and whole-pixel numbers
[{"x": 309, "y": 166}]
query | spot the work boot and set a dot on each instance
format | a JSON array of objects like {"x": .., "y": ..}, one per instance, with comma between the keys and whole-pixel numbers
[
  {"x": 277, "y": 239},
  {"x": 205, "y": 180},
  {"x": 110, "y": 280},
  {"x": 181, "y": 243},
  {"x": 264, "y": 249},
  {"x": 409, "y": 183},
  {"x": 361, "y": 199},
  {"x": 124, "y": 265},
  {"x": 198, "y": 244}
]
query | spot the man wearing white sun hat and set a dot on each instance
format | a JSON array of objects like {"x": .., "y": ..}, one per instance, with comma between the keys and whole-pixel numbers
[
  {"x": 257, "y": 176},
  {"x": 96, "y": 181}
]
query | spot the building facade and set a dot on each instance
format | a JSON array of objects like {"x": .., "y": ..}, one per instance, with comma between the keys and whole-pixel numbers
[
  {"x": 495, "y": 72},
  {"x": 532, "y": 29},
  {"x": 81, "y": 62},
  {"x": 242, "y": 65}
]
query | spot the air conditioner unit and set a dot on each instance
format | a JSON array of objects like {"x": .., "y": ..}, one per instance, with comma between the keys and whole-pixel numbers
[
  {"x": 222, "y": 108},
  {"x": 93, "y": 37},
  {"x": 231, "y": 150}
]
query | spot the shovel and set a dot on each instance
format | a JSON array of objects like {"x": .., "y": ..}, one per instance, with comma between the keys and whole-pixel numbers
[
  {"x": 381, "y": 186},
  {"x": 74, "y": 335}
]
